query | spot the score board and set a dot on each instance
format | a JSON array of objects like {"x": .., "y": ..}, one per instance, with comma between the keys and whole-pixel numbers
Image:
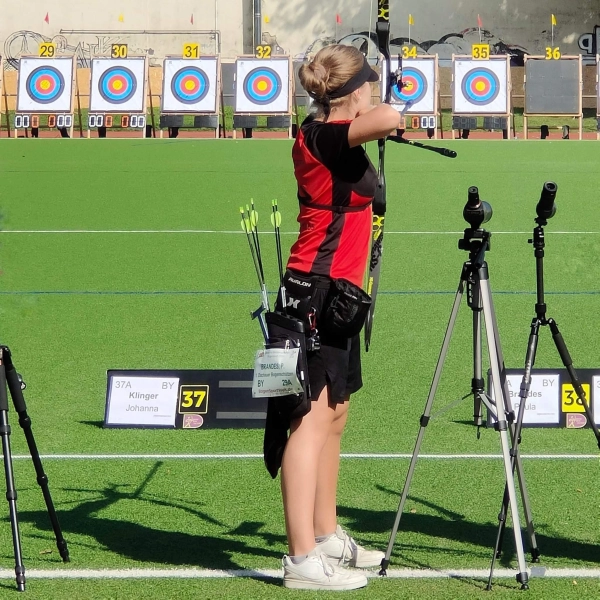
[
  {"x": 552, "y": 401},
  {"x": 183, "y": 399}
]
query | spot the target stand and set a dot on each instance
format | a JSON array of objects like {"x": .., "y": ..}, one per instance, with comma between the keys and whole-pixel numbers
[
  {"x": 553, "y": 88},
  {"x": 3, "y": 96},
  {"x": 191, "y": 87},
  {"x": 118, "y": 89},
  {"x": 45, "y": 87},
  {"x": 263, "y": 87},
  {"x": 481, "y": 88},
  {"x": 598, "y": 95}
]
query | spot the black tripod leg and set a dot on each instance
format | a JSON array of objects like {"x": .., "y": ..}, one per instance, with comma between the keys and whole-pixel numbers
[
  {"x": 515, "y": 459},
  {"x": 14, "y": 386},
  {"x": 566, "y": 360},
  {"x": 11, "y": 492}
]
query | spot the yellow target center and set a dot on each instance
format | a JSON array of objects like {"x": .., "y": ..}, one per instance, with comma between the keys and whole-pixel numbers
[
  {"x": 480, "y": 86},
  {"x": 408, "y": 86},
  {"x": 118, "y": 85},
  {"x": 189, "y": 85},
  {"x": 262, "y": 86},
  {"x": 45, "y": 85}
]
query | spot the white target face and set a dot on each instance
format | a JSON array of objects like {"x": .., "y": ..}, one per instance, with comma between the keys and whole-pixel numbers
[
  {"x": 45, "y": 85},
  {"x": 118, "y": 85},
  {"x": 262, "y": 86},
  {"x": 419, "y": 86},
  {"x": 480, "y": 87},
  {"x": 190, "y": 86}
]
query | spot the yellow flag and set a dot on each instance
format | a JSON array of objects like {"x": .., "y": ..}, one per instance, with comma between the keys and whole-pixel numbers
[
  {"x": 121, "y": 18},
  {"x": 553, "y": 20},
  {"x": 411, "y": 21},
  {"x": 267, "y": 20}
]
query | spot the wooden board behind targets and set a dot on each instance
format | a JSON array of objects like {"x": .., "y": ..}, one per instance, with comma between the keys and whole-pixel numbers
[
  {"x": 421, "y": 85},
  {"x": 190, "y": 85},
  {"x": 118, "y": 85},
  {"x": 553, "y": 87},
  {"x": 262, "y": 86},
  {"x": 45, "y": 85},
  {"x": 481, "y": 87}
]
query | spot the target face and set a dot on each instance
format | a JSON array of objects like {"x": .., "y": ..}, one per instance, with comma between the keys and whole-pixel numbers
[
  {"x": 117, "y": 85},
  {"x": 190, "y": 85},
  {"x": 419, "y": 77},
  {"x": 45, "y": 84},
  {"x": 414, "y": 88},
  {"x": 262, "y": 86},
  {"x": 481, "y": 86}
]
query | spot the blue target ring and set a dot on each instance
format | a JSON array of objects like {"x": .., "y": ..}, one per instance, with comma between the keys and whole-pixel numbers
[
  {"x": 45, "y": 85},
  {"x": 415, "y": 86},
  {"x": 262, "y": 85},
  {"x": 190, "y": 85},
  {"x": 117, "y": 85},
  {"x": 480, "y": 86}
]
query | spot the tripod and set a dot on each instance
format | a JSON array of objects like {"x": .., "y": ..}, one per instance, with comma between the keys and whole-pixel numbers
[
  {"x": 475, "y": 278},
  {"x": 10, "y": 377},
  {"x": 545, "y": 211}
]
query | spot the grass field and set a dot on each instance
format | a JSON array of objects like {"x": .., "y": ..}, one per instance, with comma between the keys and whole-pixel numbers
[{"x": 128, "y": 254}]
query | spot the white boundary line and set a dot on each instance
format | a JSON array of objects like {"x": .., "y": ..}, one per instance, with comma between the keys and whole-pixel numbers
[
  {"x": 535, "y": 572},
  {"x": 260, "y": 456},
  {"x": 235, "y": 232}
]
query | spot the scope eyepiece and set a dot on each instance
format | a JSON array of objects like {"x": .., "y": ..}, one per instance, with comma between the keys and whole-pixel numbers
[
  {"x": 476, "y": 211},
  {"x": 546, "y": 208}
]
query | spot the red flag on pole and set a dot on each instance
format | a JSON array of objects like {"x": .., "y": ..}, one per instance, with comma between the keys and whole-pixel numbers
[
  {"x": 479, "y": 23},
  {"x": 192, "y": 19},
  {"x": 338, "y": 19},
  {"x": 47, "y": 19}
]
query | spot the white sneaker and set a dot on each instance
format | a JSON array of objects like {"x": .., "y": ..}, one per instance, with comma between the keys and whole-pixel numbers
[
  {"x": 339, "y": 547},
  {"x": 316, "y": 573}
]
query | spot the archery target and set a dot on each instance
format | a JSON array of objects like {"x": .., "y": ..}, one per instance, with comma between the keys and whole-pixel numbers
[
  {"x": 481, "y": 86},
  {"x": 118, "y": 85},
  {"x": 262, "y": 86},
  {"x": 190, "y": 86},
  {"x": 419, "y": 87},
  {"x": 45, "y": 85}
]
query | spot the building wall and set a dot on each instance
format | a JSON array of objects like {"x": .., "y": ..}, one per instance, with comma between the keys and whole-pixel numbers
[{"x": 88, "y": 27}]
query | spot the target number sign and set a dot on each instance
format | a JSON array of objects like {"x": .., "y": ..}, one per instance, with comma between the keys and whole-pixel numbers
[
  {"x": 480, "y": 51},
  {"x": 553, "y": 53},
  {"x": 569, "y": 400},
  {"x": 409, "y": 52},
  {"x": 264, "y": 51},
  {"x": 119, "y": 51},
  {"x": 47, "y": 50},
  {"x": 191, "y": 50},
  {"x": 262, "y": 86},
  {"x": 193, "y": 399}
]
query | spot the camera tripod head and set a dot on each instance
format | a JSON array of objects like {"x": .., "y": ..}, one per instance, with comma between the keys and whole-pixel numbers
[{"x": 546, "y": 208}]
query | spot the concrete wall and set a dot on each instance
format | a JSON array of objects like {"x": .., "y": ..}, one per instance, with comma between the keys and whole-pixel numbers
[{"x": 86, "y": 27}]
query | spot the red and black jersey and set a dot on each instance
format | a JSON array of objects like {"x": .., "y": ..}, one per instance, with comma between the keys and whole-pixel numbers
[{"x": 336, "y": 185}]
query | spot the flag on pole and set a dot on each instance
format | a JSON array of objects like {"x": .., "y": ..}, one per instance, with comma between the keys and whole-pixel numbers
[
  {"x": 192, "y": 19},
  {"x": 267, "y": 20},
  {"x": 121, "y": 18},
  {"x": 47, "y": 19},
  {"x": 338, "y": 19},
  {"x": 411, "y": 21},
  {"x": 553, "y": 20},
  {"x": 479, "y": 23}
]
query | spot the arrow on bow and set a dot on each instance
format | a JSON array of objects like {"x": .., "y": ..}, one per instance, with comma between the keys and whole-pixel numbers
[{"x": 388, "y": 80}]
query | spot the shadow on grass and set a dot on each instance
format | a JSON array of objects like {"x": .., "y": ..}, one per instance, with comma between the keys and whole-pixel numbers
[{"x": 143, "y": 543}]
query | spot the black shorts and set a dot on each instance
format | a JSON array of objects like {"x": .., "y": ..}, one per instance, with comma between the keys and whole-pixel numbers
[{"x": 335, "y": 365}]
